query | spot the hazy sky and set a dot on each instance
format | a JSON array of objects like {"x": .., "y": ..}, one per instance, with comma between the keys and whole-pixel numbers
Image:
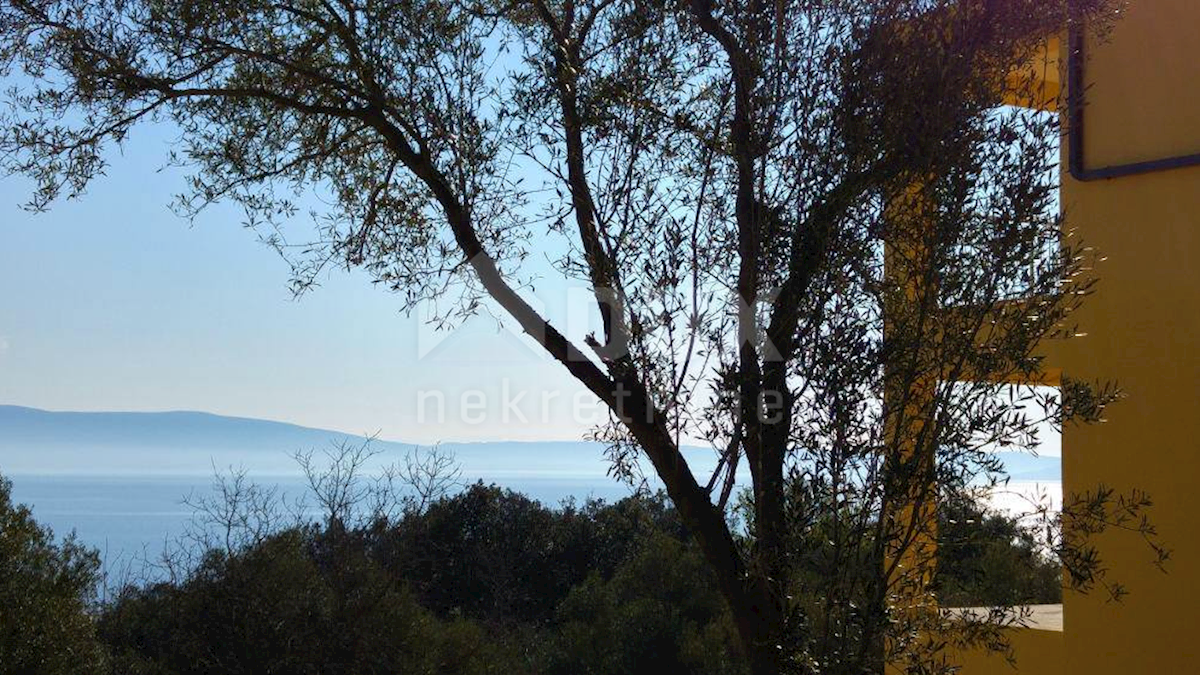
[{"x": 113, "y": 302}]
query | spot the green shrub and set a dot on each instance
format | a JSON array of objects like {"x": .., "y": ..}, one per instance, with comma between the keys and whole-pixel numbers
[{"x": 46, "y": 593}]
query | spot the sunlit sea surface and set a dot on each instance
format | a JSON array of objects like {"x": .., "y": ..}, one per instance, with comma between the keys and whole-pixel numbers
[
  {"x": 121, "y": 481},
  {"x": 130, "y": 519}
]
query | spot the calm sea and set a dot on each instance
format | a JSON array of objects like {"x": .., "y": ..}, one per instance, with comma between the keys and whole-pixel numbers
[{"x": 130, "y": 518}]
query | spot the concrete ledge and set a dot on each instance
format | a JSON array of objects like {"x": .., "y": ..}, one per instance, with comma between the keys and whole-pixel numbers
[
  {"x": 1039, "y": 617},
  {"x": 1038, "y": 647}
]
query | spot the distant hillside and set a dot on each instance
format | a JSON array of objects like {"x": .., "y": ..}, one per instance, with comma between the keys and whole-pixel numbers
[
  {"x": 1023, "y": 466},
  {"x": 40, "y": 441},
  {"x": 36, "y": 441},
  {"x": 19, "y": 425}
]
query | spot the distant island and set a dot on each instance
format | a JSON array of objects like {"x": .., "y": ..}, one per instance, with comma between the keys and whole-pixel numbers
[
  {"x": 180, "y": 443},
  {"x": 41, "y": 442}
]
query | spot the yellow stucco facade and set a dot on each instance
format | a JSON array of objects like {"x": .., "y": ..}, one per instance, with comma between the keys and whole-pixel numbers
[{"x": 1142, "y": 329}]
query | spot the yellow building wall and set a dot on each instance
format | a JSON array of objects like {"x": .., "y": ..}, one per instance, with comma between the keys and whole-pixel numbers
[
  {"x": 1143, "y": 326},
  {"x": 1037, "y": 652},
  {"x": 1143, "y": 332}
]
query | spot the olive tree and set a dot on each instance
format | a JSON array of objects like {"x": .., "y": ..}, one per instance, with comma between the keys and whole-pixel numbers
[{"x": 816, "y": 237}]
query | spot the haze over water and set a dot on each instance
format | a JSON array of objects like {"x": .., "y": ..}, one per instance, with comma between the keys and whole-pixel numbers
[{"x": 119, "y": 480}]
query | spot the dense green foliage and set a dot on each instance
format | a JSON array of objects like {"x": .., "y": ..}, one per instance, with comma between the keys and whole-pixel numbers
[
  {"x": 498, "y": 557},
  {"x": 986, "y": 558},
  {"x": 660, "y": 607},
  {"x": 300, "y": 602},
  {"x": 484, "y": 581},
  {"x": 46, "y": 589}
]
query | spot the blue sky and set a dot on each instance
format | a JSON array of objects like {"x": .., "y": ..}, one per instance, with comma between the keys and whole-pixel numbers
[{"x": 112, "y": 302}]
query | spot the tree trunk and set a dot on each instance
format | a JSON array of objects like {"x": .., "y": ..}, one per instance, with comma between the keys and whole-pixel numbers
[{"x": 760, "y": 626}]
